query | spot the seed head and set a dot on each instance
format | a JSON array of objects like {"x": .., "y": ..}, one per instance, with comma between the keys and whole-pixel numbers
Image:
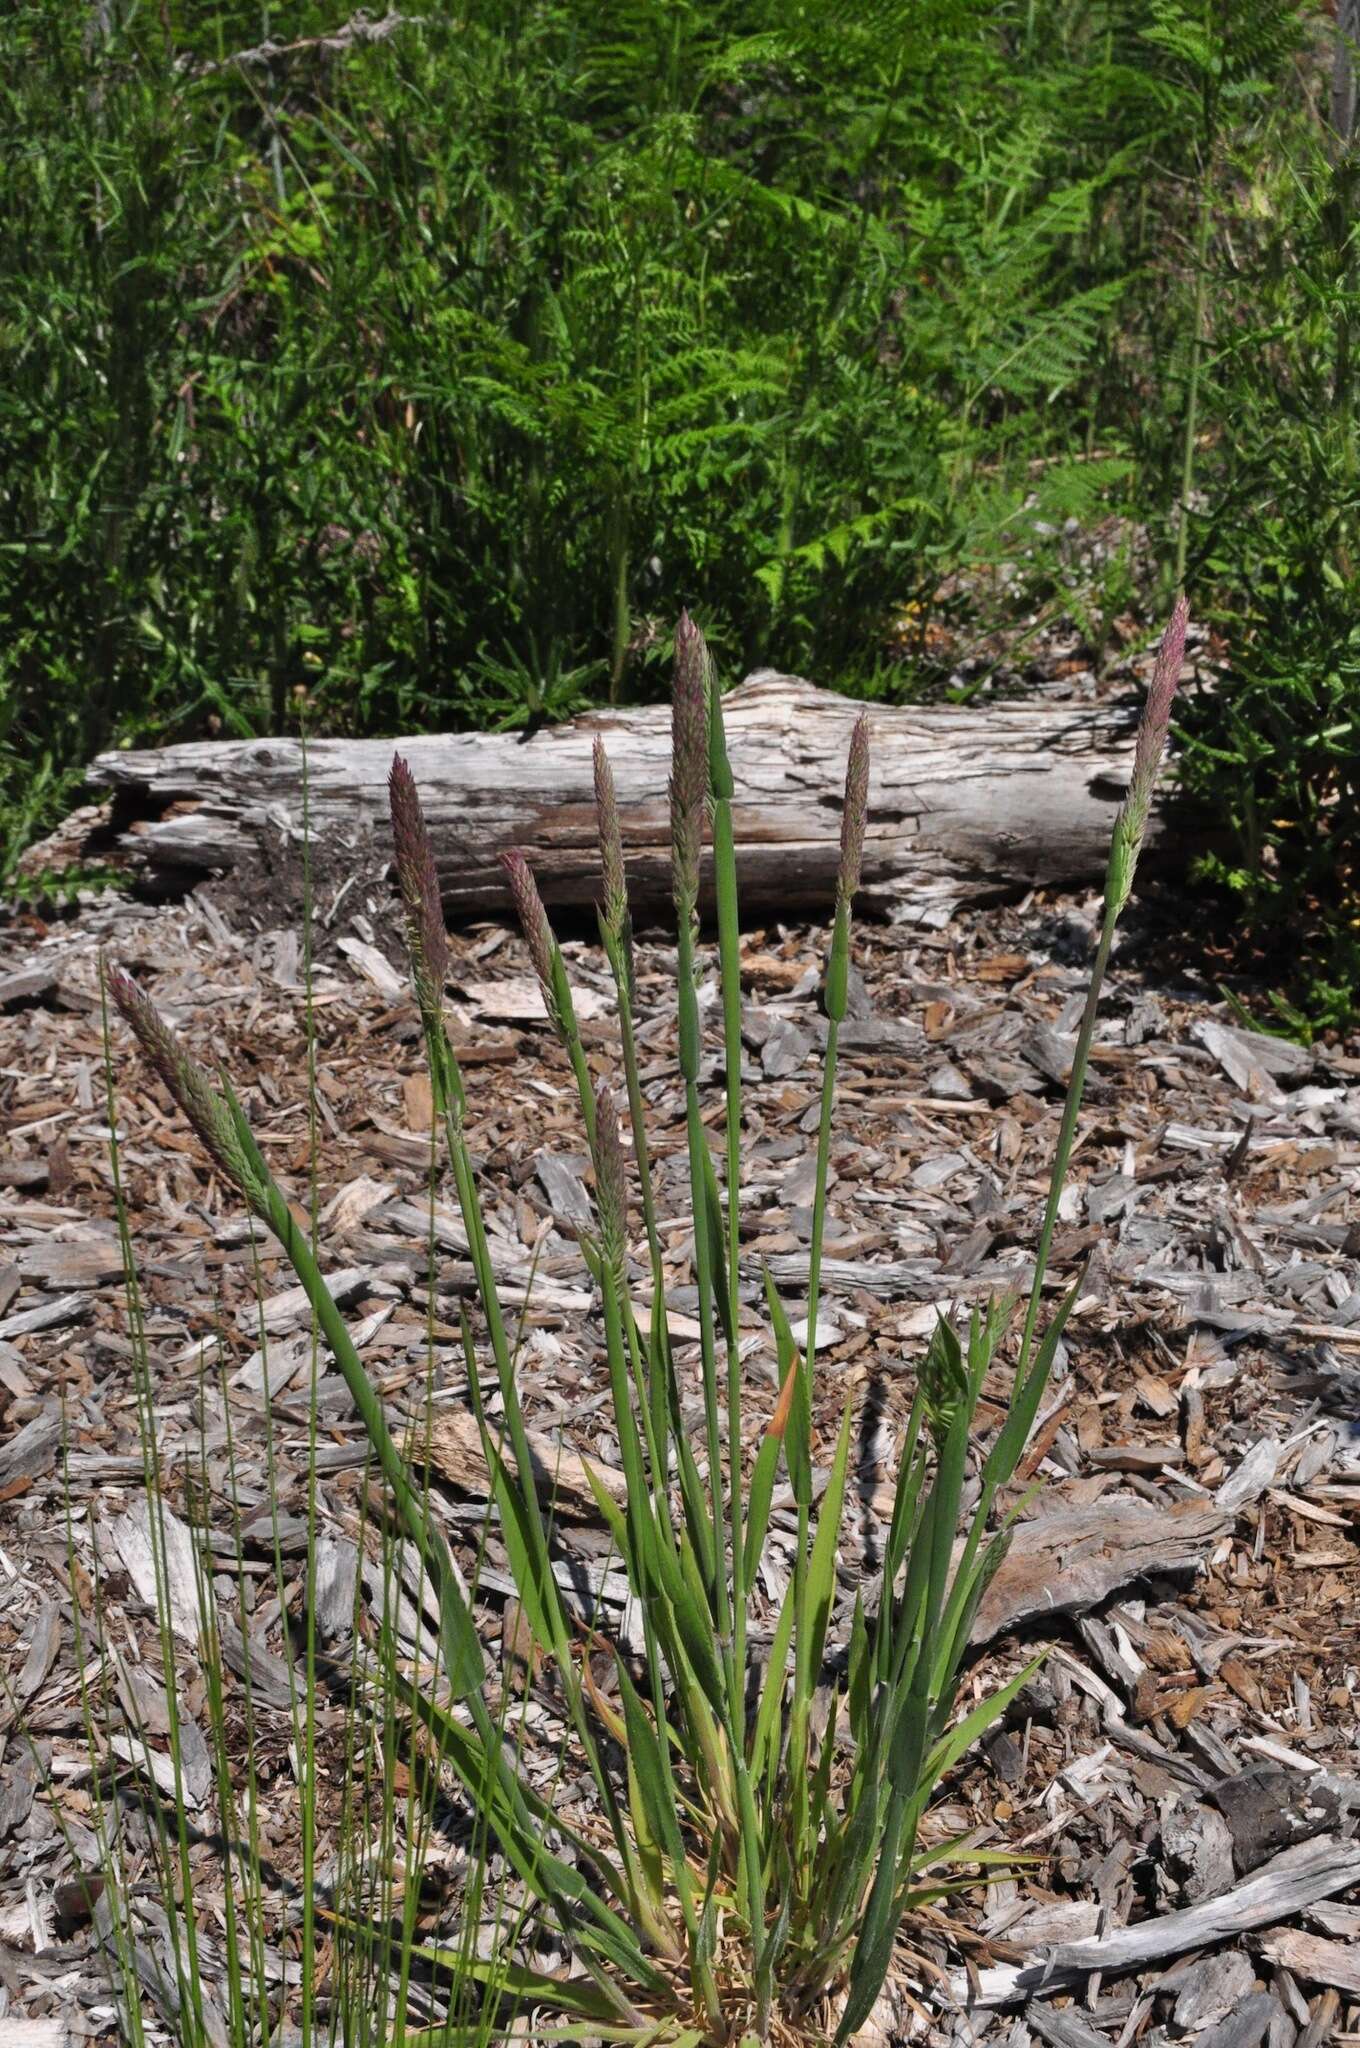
[
  {"x": 1156, "y": 719},
  {"x": 611, "y": 1179},
  {"x": 855, "y": 814},
  {"x": 944, "y": 1382},
  {"x": 1149, "y": 747},
  {"x": 426, "y": 939},
  {"x": 689, "y": 762},
  {"x": 202, "y": 1105},
  {"x": 611, "y": 844},
  {"x": 533, "y": 919}
]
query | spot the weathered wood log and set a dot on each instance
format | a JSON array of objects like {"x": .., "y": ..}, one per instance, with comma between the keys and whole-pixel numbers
[{"x": 967, "y": 804}]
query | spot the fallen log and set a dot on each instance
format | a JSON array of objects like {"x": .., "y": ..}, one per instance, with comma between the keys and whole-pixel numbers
[{"x": 967, "y": 804}]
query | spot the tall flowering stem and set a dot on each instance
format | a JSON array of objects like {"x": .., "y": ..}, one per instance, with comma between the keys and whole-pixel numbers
[
  {"x": 428, "y": 950},
  {"x": 689, "y": 794},
  {"x": 699, "y": 772},
  {"x": 221, "y": 1126},
  {"x": 427, "y": 945},
  {"x": 642, "y": 1483},
  {"x": 611, "y": 1185},
  {"x": 689, "y": 766},
  {"x": 1031, "y": 1373},
  {"x": 854, "y": 824},
  {"x": 721, "y": 792},
  {"x": 944, "y": 1622},
  {"x": 835, "y": 993},
  {"x": 1125, "y": 847},
  {"x": 616, "y": 934}
]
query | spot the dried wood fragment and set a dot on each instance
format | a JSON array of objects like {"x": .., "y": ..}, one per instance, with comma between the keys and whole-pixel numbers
[
  {"x": 77, "y": 1262},
  {"x": 194, "y": 1776},
  {"x": 1061, "y": 2027},
  {"x": 267, "y": 1674},
  {"x": 27, "y": 985},
  {"x": 157, "y": 1553},
  {"x": 1145, "y": 1458},
  {"x": 18, "y": 1788},
  {"x": 284, "y": 1312},
  {"x": 1214, "y": 1988},
  {"x": 1245, "y": 2026},
  {"x": 1198, "y": 1848},
  {"x": 1296, "y": 1878},
  {"x": 337, "y": 1572},
  {"x": 43, "y": 1643},
  {"x": 1067, "y": 1562},
  {"x": 452, "y": 1445},
  {"x": 1322, "y": 2022},
  {"x": 1252, "y": 1477},
  {"x": 31, "y": 1450},
  {"x": 1333, "y": 1963},
  {"x": 1269, "y": 1809},
  {"x": 1250, "y": 1058},
  {"x": 48, "y": 1315}
]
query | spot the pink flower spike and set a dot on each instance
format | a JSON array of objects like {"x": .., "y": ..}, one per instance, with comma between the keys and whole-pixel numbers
[
  {"x": 533, "y": 918},
  {"x": 611, "y": 844},
  {"x": 186, "y": 1081},
  {"x": 1156, "y": 720},
  {"x": 689, "y": 761},
  {"x": 855, "y": 814},
  {"x": 426, "y": 938}
]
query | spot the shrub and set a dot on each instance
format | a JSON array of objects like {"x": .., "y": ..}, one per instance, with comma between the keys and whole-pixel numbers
[
  {"x": 1273, "y": 745},
  {"x": 418, "y": 377},
  {"x": 758, "y": 1862}
]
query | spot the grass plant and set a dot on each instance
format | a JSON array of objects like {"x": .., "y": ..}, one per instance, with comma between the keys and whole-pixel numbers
[{"x": 755, "y": 1845}]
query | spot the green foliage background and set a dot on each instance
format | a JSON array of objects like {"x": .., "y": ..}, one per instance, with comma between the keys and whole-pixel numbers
[{"x": 421, "y": 376}]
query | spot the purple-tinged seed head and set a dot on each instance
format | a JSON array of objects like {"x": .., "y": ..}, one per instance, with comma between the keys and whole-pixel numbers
[
  {"x": 533, "y": 918},
  {"x": 1154, "y": 726},
  {"x": 611, "y": 844},
  {"x": 426, "y": 938},
  {"x": 188, "y": 1084},
  {"x": 1149, "y": 747},
  {"x": 689, "y": 761},
  {"x": 611, "y": 1178},
  {"x": 855, "y": 814},
  {"x": 1156, "y": 720}
]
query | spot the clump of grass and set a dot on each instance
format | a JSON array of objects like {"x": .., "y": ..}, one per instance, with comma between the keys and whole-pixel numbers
[{"x": 754, "y": 1861}]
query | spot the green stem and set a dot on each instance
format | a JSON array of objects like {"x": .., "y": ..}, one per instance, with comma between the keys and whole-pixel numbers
[
  {"x": 838, "y": 963},
  {"x": 690, "y": 1039},
  {"x": 729, "y": 955},
  {"x": 1067, "y": 1132},
  {"x": 659, "y": 1368},
  {"x": 1202, "y": 228}
]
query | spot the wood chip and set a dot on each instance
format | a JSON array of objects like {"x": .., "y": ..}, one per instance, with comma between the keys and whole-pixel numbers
[
  {"x": 1067, "y": 1563},
  {"x": 1318, "y": 1961},
  {"x": 1296, "y": 1878},
  {"x": 452, "y": 1444}
]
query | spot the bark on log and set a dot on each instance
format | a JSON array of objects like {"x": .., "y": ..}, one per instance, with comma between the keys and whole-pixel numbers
[{"x": 966, "y": 804}]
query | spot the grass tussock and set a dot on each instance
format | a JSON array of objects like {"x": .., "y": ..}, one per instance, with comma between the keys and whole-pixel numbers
[{"x": 754, "y": 1841}]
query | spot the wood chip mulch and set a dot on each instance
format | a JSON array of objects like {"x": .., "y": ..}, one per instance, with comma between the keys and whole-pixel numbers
[{"x": 1183, "y": 1772}]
